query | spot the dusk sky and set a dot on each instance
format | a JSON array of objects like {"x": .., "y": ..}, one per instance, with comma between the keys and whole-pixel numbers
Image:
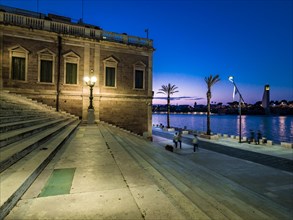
[{"x": 249, "y": 39}]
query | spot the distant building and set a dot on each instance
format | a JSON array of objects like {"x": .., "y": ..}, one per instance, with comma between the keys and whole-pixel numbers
[
  {"x": 45, "y": 57},
  {"x": 266, "y": 99}
]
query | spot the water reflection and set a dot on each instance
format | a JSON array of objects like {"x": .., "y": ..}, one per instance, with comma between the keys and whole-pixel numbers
[
  {"x": 282, "y": 127},
  {"x": 244, "y": 130},
  {"x": 272, "y": 127}
]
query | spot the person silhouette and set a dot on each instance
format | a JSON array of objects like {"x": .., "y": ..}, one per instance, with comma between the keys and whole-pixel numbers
[
  {"x": 180, "y": 139},
  {"x": 195, "y": 143},
  {"x": 175, "y": 139}
]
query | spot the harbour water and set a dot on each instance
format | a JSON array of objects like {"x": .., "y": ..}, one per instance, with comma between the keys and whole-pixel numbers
[{"x": 275, "y": 128}]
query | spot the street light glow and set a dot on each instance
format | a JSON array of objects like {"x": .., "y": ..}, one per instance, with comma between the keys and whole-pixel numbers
[
  {"x": 86, "y": 79},
  {"x": 93, "y": 79},
  {"x": 231, "y": 79},
  {"x": 90, "y": 81}
]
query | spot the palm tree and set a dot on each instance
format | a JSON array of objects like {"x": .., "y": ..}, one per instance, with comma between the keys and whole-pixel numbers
[
  {"x": 168, "y": 90},
  {"x": 210, "y": 81}
]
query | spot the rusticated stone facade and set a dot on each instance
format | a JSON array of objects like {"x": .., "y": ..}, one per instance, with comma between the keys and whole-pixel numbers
[{"x": 46, "y": 58}]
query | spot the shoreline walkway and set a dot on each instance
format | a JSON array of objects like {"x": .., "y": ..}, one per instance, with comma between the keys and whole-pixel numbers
[
  {"x": 113, "y": 174},
  {"x": 274, "y": 155}
]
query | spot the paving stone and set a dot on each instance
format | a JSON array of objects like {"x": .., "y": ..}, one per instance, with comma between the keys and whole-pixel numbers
[{"x": 122, "y": 176}]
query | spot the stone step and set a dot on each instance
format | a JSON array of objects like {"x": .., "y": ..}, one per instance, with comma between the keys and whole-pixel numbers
[
  {"x": 26, "y": 103},
  {"x": 11, "y": 105},
  {"x": 198, "y": 184},
  {"x": 8, "y": 98},
  {"x": 17, "y": 150},
  {"x": 31, "y": 134},
  {"x": 16, "y": 135},
  {"x": 5, "y": 127},
  {"x": 15, "y": 180},
  {"x": 261, "y": 206},
  {"x": 163, "y": 164},
  {"x": 185, "y": 205},
  {"x": 16, "y": 118},
  {"x": 9, "y": 112},
  {"x": 5, "y": 105},
  {"x": 20, "y": 100}
]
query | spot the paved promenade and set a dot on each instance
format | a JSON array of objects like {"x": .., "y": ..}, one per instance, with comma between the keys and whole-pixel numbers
[
  {"x": 275, "y": 155},
  {"x": 115, "y": 175}
]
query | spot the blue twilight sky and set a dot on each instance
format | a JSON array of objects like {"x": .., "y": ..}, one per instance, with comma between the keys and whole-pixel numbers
[{"x": 249, "y": 39}]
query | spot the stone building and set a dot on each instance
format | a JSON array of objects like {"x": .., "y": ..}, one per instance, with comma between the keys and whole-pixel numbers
[{"x": 46, "y": 57}]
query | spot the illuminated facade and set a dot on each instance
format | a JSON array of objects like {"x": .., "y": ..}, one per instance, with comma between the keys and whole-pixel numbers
[{"x": 46, "y": 57}]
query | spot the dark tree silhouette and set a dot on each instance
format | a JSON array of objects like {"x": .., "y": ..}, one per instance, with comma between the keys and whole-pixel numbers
[
  {"x": 210, "y": 81},
  {"x": 168, "y": 90}
]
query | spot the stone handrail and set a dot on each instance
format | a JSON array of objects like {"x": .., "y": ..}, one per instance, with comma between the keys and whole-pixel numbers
[{"x": 72, "y": 29}]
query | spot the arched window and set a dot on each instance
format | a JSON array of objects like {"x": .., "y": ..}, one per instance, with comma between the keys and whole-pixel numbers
[
  {"x": 18, "y": 63},
  {"x": 110, "y": 70},
  {"x": 46, "y": 61},
  {"x": 71, "y": 68}
]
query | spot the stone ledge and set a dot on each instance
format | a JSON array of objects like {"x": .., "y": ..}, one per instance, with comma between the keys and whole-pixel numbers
[
  {"x": 211, "y": 137},
  {"x": 287, "y": 145},
  {"x": 169, "y": 129}
]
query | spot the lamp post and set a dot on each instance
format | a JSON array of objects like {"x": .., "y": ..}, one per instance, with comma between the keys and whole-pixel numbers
[
  {"x": 91, "y": 83},
  {"x": 236, "y": 90}
]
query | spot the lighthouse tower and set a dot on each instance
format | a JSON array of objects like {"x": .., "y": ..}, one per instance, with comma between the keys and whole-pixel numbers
[{"x": 266, "y": 99}]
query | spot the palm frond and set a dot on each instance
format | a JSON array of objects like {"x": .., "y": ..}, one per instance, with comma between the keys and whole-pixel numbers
[
  {"x": 168, "y": 89},
  {"x": 215, "y": 79},
  {"x": 212, "y": 80},
  {"x": 173, "y": 89}
]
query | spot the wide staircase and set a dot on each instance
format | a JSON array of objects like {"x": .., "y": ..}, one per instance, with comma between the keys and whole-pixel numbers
[
  {"x": 194, "y": 189},
  {"x": 31, "y": 134}
]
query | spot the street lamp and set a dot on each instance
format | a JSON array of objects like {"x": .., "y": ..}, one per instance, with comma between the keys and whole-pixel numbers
[
  {"x": 90, "y": 82},
  {"x": 236, "y": 90}
]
